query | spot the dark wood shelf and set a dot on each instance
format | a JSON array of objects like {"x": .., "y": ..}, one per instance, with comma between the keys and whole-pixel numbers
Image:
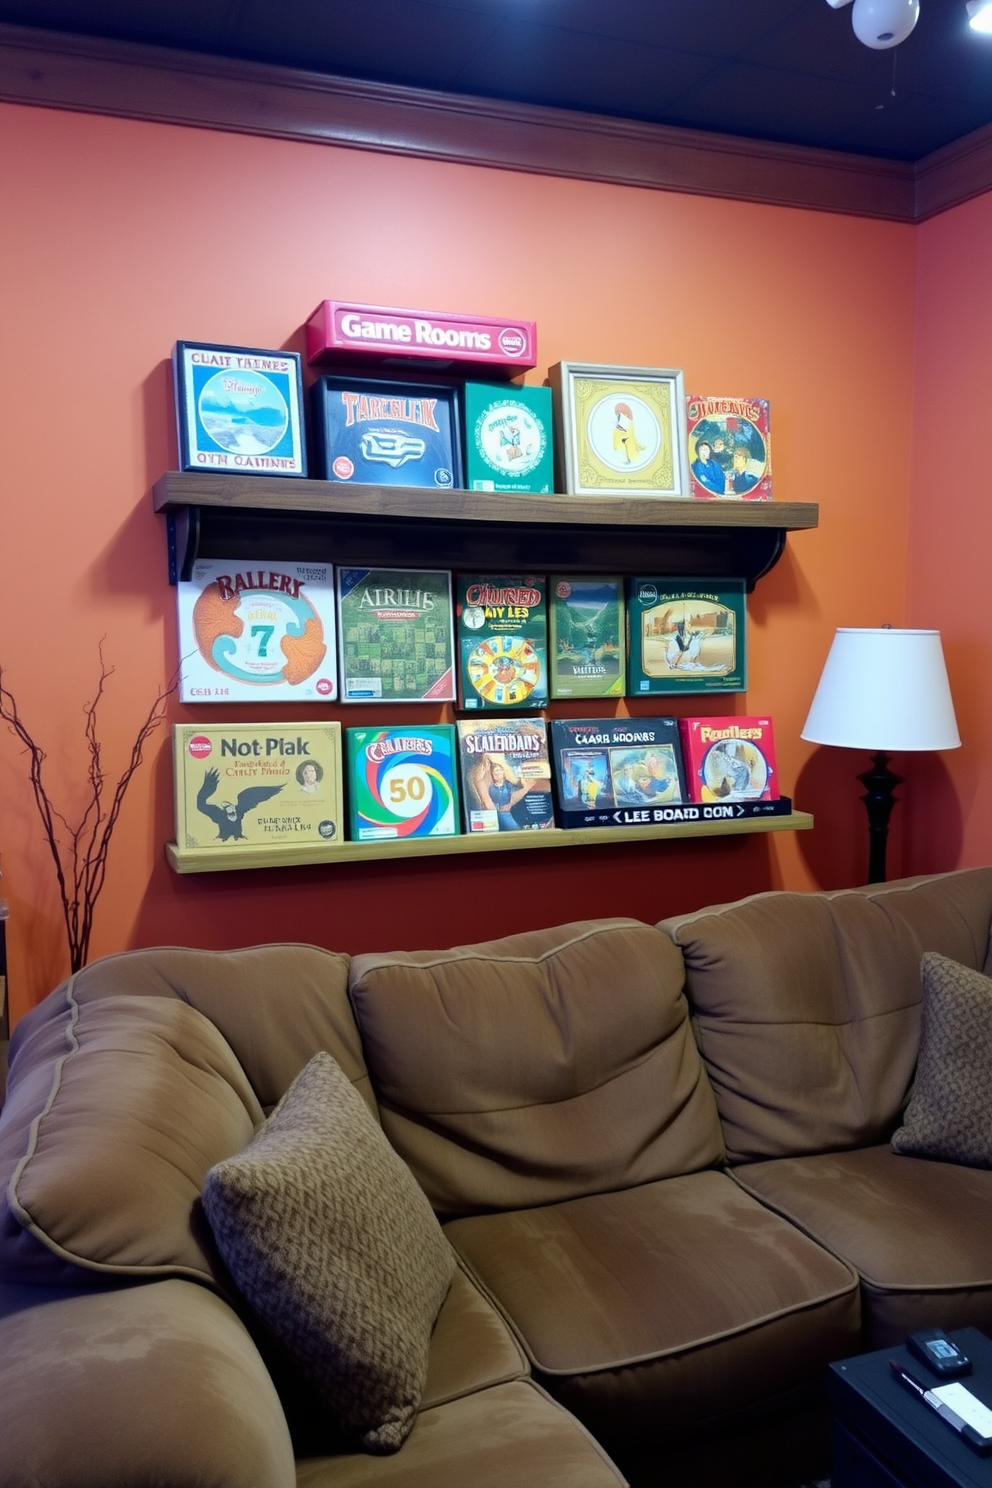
[{"x": 260, "y": 518}]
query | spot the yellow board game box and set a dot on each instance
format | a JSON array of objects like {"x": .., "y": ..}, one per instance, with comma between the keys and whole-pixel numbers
[{"x": 257, "y": 785}]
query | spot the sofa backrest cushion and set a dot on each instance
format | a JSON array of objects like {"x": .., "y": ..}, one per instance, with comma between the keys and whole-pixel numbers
[
  {"x": 276, "y": 1005},
  {"x": 115, "y": 1114},
  {"x": 537, "y": 1068},
  {"x": 807, "y": 1005}
]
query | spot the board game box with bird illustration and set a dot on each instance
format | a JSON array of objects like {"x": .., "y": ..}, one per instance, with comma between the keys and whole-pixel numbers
[
  {"x": 686, "y": 637},
  {"x": 257, "y": 632},
  {"x": 257, "y": 785},
  {"x": 730, "y": 759},
  {"x": 502, "y": 623}
]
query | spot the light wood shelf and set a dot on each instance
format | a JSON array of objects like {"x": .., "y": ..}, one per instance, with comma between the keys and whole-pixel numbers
[{"x": 224, "y": 859}]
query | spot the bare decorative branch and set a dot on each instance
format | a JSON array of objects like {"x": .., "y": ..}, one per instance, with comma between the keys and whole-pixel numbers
[{"x": 80, "y": 851}]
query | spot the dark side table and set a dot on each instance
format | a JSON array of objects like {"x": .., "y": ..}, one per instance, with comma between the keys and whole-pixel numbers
[{"x": 884, "y": 1437}]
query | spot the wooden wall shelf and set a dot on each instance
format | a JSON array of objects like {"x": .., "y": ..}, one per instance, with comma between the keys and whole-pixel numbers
[
  {"x": 224, "y": 859},
  {"x": 267, "y": 518}
]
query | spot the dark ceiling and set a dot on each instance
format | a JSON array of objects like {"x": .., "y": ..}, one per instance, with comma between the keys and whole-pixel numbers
[{"x": 784, "y": 70}]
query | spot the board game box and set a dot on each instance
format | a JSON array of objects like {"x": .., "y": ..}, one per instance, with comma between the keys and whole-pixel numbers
[
  {"x": 730, "y": 453},
  {"x": 257, "y": 785},
  {"x": 256, "y": 632},
  {"x": 502, "y": 641},
  {"x": 386, "y": 433},
  {"x": 239, "y": 409},
  {"x": 729, "y": 759},
  {"x": 616, "y": 771},
  {"x": 402, "y": 782},
  {"x": 396, "y": 633},
  {"x": 506, "y": 774},
  {"x": 586, "y": 636},
  {"x": 508, "y": 439},
  {"x": 687, "y": 636}
]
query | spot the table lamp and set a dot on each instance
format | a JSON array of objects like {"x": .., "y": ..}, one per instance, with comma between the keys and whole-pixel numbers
[{"x": 883, "y": 690}]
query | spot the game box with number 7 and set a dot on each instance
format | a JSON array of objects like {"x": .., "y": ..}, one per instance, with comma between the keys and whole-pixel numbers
[{"x": 402, "y": 782}]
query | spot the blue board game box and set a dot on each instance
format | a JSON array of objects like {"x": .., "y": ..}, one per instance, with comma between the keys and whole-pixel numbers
[
  {"x": 386, "y": 433},
  {"x": 238, "y": 409},
  {"x": 402, "y": 782}
]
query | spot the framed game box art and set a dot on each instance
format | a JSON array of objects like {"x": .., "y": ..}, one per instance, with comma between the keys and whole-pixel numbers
[
  {"x": 386, "y": 433},
  {"x": 239, "y": 409},
  {"x": 620, "y": 431}
]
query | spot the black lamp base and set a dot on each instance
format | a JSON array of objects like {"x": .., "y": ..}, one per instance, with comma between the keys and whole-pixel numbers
[{"x": 880, "y": 783}]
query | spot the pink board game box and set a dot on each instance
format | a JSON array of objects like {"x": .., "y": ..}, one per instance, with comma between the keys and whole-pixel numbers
[{"x": 342, "y": 330}]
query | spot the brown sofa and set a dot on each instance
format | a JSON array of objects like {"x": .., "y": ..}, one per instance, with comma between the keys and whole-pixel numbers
[{"x": 669, "y": 1215}]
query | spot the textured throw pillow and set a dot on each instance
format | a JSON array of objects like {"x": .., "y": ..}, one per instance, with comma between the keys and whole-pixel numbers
[
  {"x": 950, "y": 1110},
  {"x": 334, "y": 1245}
]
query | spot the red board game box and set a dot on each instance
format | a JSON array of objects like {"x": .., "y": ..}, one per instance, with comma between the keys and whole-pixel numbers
[
  {"x": 341, "y": 330},
  {"x": 729, "y": 759},
  {"x": 729, "y": 443}
]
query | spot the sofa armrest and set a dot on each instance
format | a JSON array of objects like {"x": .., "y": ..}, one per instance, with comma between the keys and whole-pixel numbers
[{"x": 153, "y": 1383}]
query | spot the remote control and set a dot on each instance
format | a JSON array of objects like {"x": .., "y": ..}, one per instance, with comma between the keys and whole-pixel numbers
[{"x": 939, "y": 1353}]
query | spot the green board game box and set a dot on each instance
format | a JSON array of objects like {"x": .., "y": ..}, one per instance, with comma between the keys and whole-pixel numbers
[
  {"x": 508, "y": 438},
  {"x": 586, "y": 636},
  {"x": 396, "y": 633},
  {"x": 502, "y": 641},
  {"x": 402, "y": 782},
  {"x": 686, "y": 637}
]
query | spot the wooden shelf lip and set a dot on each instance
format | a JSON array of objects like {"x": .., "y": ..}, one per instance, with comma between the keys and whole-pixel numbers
[
  {"x": 226, "y": 859},
  {"x": 178, "y": 489}
]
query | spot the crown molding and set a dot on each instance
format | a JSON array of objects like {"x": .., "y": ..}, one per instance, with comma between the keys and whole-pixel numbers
[{"x": 55, "y": 70}]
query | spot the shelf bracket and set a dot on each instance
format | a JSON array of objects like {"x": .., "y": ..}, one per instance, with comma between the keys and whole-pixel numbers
[{"x": 183, "y": 534}]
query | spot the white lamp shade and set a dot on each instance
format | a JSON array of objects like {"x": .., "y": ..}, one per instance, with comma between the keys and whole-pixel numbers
[
  {"x": 884, "y": 690},
  {"x": 884, "y": 23}
]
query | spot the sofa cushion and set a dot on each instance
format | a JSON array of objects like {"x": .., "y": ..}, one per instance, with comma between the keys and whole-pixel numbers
[
  {"x": 949, "y": 1114},
  {"x": 807, "y": 1006},
  {"x": 511, "y": 1436},
  {"x": 537, "y": 1068},
  {"x": 916, "y": 1231},
  {"x": 657, "y": 1306},
  {"x": 336, "y": 1249},
  {"x": 275, "y": 1004},
  {"x": 114, "y": 1114}
]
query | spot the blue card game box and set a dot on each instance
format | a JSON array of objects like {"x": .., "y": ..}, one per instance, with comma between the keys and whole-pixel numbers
[
  {"x": 402, "y": 782},
  {"x": 617, "y": 771},
  {"x": 508, "y": 439},
  {"x": 506, "y": 774},
  {"x": 386, "y": 433},
  {"x": 502, "y": 624},
  {"x": 239, "y": 409},
  {"x": 686, "y": 636}
]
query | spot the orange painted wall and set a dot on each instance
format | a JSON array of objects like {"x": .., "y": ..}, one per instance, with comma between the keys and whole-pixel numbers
[
  {"x": 120, "y": 237},
  {"x": 951, "y": 514}
]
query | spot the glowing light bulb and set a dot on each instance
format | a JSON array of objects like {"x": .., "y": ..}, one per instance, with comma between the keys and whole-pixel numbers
[{"x": 880, "y": 24}]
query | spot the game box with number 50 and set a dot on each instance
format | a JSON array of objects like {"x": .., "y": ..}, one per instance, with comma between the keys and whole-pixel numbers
[{"x": 402, "y": 782}]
